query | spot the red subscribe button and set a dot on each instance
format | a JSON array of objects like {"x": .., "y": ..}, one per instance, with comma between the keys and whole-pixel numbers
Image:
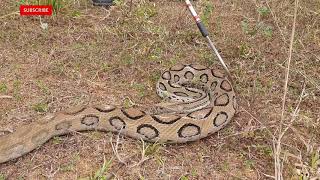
[{"x": 34, "y": 10}]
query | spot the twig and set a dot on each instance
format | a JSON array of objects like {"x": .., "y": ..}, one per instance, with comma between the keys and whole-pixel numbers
[
  {"x": 260, "y": 122},
  {"x": 289, "y": 63},
  {"x": 143, "y": 155},
  {"x": 277, "y": 147},
  {"x": 13, "y": 13},
  {"x": 115, "y": 148},
  {"x": 6, "y": 97}
]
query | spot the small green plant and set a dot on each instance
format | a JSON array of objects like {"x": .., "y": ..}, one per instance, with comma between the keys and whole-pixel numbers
[
  {"x": 259, "y": 27},
  {"x": 42, "y": 86},
  {"x": 225, "y": 166},
  {"x": 268, "y": 31},
  {"x": 16, "y": 89},
  {"x": 70, "y": 166},
  {"x": 194, "y": 172},
  {"x": 146, "y": 12},
  {"x": 244, "y": 51},
  {"x": 76, "y": 14},
  {"x": 207, "y": 57},
  {"x": 2, "y": 177},
  {"x": 249, "y": 164},
  {"x": 315, "y": 160},
  {"x": 100, "y": 174},
  {"x": 247, "y": 29},
  {"x": 152, "y": 149},
  {"x": 184, "y": 178},
  {"x": 56, "y": 140},
  {"x": 67, "y": 167},
  {"x": 127, "y": 103},
  {"x": 105, "y": 67},
  {"x": 140, "y": 88},
  {"x": 207, "y": 12},
  {"x": 3, "y": 88},
  {"x": 156, "y": 54},
  {"x": 127, "y": 59},
  {"x": 263, "y": 11},
  {"x": 268, "y": 151},
  {"x": 118, "y": 2},
  {"x": 154, "y": 77},
  {"x": 56, "y": 5},
  {"x": 40, "y": 107}
]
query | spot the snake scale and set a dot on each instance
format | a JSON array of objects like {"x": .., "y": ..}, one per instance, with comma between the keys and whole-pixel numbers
[{"x": 201, "y": 102}]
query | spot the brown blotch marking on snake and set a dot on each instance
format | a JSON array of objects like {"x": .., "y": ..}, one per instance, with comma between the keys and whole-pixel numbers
[
  {"x": 204, "y": 78},
  {"x": 178, "y": 67},
  {"x": 225, "y": 85},
  {"x": 133, "y": 113},
  {"x": 162, "y": 86},
  {"x": 166, "y": 119},
  {"x": 213, "y": 85},
  {"x": 166, "y": 75},
  {"x": 201, "y": 114},
  {"x": 217, "y": 74},
  {"x": 189, "y": 130},
  {"x": 40, "y": 137},
  {"x": 220, "y": 118},
  {"x": 189, "y": 75},
  {"x": 105, "y": 108},
  {"x": 181, "y": 94},
  {"x": 222, "y": 100},
  {"x": 117, "y": 123},
  {"x": 63, "y": 126},
  {"x": 198, "y": 67},
  {"x": 176, "y": 78},
  {"x": 74, "y": 110},
  {"x": 90, "y": 120},
  {"x": 148, "y": 131}
]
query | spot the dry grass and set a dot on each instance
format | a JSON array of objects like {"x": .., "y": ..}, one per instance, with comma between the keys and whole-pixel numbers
[{"x": 90, "y": 54}]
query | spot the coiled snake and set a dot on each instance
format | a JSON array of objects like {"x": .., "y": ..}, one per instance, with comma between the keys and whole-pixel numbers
[{"x": 202, "y": 102}]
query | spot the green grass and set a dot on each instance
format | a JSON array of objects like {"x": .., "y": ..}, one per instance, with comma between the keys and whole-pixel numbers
[
  {"x": 146, "y": 12},
  {"x": 315, "y": 160},
  {"x": 2, "y": 177},
  {"x": 70, "y": 166},
  {"x": 263, "y": 11},
  {"x": 140, "y": 88},
  {"x": 100, "y": 174},
  {"x": 152, "y": 149},
  {"x": 3, "y": 88},
  {"x": 259, "y": 26},
  {"x": 40, "y": 107},
  {"x": 43, "y": 87},
  {"x": 16, "y": 89},
  {"x": 184, "y": 178},
  {"x": 206, "y": 13},
  {"x": 56, "y": 140}
]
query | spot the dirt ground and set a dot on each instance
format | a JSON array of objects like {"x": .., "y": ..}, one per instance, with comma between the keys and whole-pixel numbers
[{"x": 89, "y": 54}]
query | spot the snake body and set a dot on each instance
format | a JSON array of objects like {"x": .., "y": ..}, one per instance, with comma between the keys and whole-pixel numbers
[{"x": 202, "y": 102}]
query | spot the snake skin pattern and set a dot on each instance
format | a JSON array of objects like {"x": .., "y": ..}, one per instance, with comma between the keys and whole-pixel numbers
[{"x": 202, "y": 102}]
